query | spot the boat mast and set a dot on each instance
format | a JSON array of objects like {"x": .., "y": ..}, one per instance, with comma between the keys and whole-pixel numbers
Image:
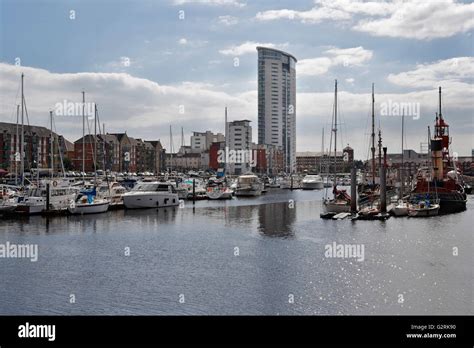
[
  {"x": 52, "y": 144},
  {"x": 402, "y": 168},
  {"x": 16, "y": 144},
  {"x": 373, "y": 136},
  {"x": 171, "y": 150},
  {"x": 95, "y": 143},
  {"x": 380, "y": 148},
  {"x": 83, "y": 134},
  {"x": 335, "y": 133},
  {"x": 322, "y": 153},
  {"x": 226, "y": 134},
  {"x": 22, "y": 142}
]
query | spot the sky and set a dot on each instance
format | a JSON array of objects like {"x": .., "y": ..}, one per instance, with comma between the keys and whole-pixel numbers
[{"x": 151, "y": 64}]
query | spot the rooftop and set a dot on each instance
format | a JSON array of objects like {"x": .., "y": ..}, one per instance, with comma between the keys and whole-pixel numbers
[{"x": 260, "y": 48}]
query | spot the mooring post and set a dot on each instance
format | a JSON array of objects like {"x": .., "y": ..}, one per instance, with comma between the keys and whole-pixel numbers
[
  {"x": 353, "y": 189},
  {"x": 194, "y": 191},
  {"x": 383, "y": 183},
  {"x": 48, "y": 189}
]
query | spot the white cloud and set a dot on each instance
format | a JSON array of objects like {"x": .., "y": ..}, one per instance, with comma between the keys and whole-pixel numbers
[
  {"x": 146, "y": 108},
  {"x": 453, "y": 71},
  {"x": 315, "y": 15},
  {"x": 422, "y": 20},
  {"x": 235, "y": 3},
  {"x": 346, "y": 57},
  {"x": 354, "y": 56},
  {"x": 313, "y": 66},
  {"x": 248, "y": 47},
  {"x": 192, "y": 43},
  {"x": 350, "y": 80},
  {"x": 228, "y": 20},
  {"x": 143, "y": 107}
]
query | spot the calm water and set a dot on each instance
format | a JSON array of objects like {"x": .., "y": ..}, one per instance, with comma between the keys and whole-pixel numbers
[{"x": 191, "y": 252}]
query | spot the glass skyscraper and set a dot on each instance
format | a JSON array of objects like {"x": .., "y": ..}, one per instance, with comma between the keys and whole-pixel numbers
[{"x": 277, "y": 102}]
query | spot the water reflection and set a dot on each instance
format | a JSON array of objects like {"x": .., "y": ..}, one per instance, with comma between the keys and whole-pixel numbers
[{"x": 276, "y": 220}]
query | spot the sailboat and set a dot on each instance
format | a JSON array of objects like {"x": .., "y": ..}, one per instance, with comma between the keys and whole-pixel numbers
[
  {"x": 87, "y": 202},
  {"x": 401, "y": 207},
  {"x": 341, "y": 201},
  {"x": 423, "y": 208}
]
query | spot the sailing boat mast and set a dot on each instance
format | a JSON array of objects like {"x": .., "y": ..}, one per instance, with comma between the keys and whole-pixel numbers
[
  {"x": 322, "y": 153},
  {"x": 335, "y": 133},
  {"x": 22, "y": 142},
  {"x": 373, "y": 136},
  {"x": 95, "y": 143},
  {"x": 226, "y": 134},
  {"x": 16, "y": 144},
  {"x": 171, "y": 150},
  {"x": 402, "y": 168},
  {"x": 83, "y": 134},
  {"x": 380, "y": 148},
  {"x": 52, "y": 144}
]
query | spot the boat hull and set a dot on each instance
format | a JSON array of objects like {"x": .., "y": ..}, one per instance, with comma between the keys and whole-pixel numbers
[
  {"x": 433, "y": 211},
  {"x": 332, "y": 207},
  {"x": 400, "y": 211},
  {"x": 92, "y": 208},
  {"x": 248, "y": 192},
  {"x": 7, "y": 208},
  {"x": 150, "y": 200},
  {"x": 312, "y": 185},
  {"x": 449, "y": 202},
  {"x": 215, "y": 195}
]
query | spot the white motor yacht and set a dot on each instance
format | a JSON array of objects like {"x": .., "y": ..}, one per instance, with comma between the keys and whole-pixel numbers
[
  {"x": 312, "y": 182},
  {"x": 151, "y": 195}
]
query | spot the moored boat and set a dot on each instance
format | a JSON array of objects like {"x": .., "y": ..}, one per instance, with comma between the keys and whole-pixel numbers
[
  {"x": 112, "y": 192},
  {"x": 400, "y": 208},
  {"x": 31, "y": 205},
  {"x": 249, "y": 185},
  {"x": 151, "y": 195},
  {"x": 423, "y": 209},
  {"x": 341, "y": 201},
  {"x": 219, "y": 192},
  {"x": 312, "y": 182},
  {"x": 88, "y": 204}
]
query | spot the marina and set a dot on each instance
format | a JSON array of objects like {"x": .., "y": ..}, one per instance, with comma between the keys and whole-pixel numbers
[
  {"x": 280, "y": 241},
  {"x": 214, "y": 167}
]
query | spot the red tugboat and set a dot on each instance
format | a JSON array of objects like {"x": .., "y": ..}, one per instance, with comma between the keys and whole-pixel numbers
[{"x": 440, "y": 181}]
